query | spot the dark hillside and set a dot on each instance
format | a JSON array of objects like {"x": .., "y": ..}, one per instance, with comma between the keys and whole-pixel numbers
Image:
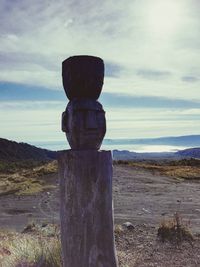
[
  {"x": 190, "y": 152},
  {"x": 13, "y": 151}
]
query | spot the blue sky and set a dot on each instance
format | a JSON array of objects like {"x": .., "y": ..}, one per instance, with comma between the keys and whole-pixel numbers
[{"x": 151, "y": 54}]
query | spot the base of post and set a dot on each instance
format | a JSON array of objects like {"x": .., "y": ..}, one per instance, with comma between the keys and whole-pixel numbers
[{"x": 86, "y": 208}]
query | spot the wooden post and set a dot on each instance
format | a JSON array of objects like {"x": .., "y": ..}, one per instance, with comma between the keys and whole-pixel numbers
[
  {"x": 86, "y": 213},
  {"x": 86, "y": 209}
]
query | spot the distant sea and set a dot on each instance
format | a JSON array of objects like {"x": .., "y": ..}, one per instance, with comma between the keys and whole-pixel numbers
[{"x": 118, "y": 144}]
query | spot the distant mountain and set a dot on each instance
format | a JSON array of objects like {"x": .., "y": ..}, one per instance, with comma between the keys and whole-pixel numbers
[
  {"x": 124, "y": 154},
  {"x": 187, "y": 140},
  {"x": 190, "y": 152},
  {"x": 12, "y": 151},
  {"x": 181, "y": 154},
  {"x": 127, "y": 155}
]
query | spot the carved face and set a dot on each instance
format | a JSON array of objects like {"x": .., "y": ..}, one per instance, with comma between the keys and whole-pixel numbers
[{"x": 84, "y": 123}]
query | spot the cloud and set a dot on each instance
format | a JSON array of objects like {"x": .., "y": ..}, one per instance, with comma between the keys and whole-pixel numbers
[
  {"x": 112, "y": 70},
  {"x": 36, "y": 36},
  {"x": 20, "y": 92},
  {"x": 131, "y": 101},
  {"x": 23, "y": 122},
  {"x": 26, "y": 60},
  {"x": 153, "y": 74},
  {"x": 146, "y": 55},
  {"x": 190, "y": 79},
  {"x": 32, "y": 105}
]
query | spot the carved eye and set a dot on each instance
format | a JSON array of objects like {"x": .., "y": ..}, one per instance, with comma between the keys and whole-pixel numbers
[
  {"x": 78, "y": 118},
  {"x": 91, "y": 121}
]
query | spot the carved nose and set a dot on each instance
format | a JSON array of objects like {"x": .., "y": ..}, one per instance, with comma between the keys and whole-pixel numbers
[{"x": 91, "y": 120}]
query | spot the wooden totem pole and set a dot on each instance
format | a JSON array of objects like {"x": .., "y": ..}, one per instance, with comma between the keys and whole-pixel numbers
[{"x": 85, "y": 172}]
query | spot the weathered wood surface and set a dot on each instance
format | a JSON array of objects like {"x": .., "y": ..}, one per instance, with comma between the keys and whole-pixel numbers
[
  {"x": 86, "y": 209},
  {"x": 84, "y": 124}
]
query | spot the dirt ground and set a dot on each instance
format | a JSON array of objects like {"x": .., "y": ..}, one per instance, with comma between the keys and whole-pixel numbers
[
  {"x": 141, "y": 248},
  {"x": 141, "y": 197}
]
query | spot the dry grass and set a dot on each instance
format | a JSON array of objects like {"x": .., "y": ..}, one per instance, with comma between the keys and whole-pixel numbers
[
  {"x": 175, "y": 230},
  {"x": 38, "y": 247},
  {"x": 48, "y": 168},
  {"x": 27, "y": 181},
  {"x": 180, "y": 169}
]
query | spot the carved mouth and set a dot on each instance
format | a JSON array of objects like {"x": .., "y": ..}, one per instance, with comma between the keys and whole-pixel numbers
[{"x": 92, "y": 134}]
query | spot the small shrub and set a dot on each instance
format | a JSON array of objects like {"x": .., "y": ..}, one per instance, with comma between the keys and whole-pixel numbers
[
  {"x": 121, "y": 162},
  {"x": 174, "y": 231}
]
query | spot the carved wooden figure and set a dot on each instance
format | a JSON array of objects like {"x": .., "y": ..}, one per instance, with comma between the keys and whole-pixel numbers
[
  {"x": 84, "y": 124},
  {"x": 86, "y": 212}
]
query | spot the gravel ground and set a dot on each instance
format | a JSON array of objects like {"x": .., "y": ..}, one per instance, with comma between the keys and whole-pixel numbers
[
  {"x": 141, "y": 197},
  {"x": 141, "y": 248}
]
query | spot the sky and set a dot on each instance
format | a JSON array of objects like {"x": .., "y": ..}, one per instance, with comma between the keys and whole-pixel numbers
[{"x": 151, "y": 53}]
